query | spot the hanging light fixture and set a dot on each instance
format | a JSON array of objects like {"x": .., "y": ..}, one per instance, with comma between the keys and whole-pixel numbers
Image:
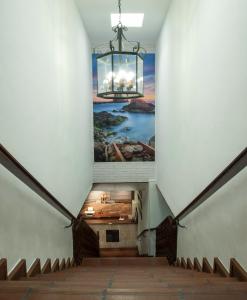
[{"x": 120, "y": 69}]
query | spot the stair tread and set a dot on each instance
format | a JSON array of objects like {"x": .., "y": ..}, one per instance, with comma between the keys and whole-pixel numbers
[{"x": 124, "y": 279}]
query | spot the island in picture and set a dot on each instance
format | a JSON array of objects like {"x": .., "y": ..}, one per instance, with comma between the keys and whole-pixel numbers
[{"x": 124, "y": 130}]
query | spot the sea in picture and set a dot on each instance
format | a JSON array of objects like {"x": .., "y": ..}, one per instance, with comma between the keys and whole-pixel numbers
[
  {"x": 124, "y": 131},
  {"x": 137, "y": 126}
]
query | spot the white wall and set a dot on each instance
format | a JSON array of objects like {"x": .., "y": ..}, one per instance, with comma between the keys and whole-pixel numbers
[
  {"x": 159, "y": 209},
  {"x": 154, "y": 212},
  {"x": 201, "y": 117},
  {"x": 147, "y": 243},
  {"x": 45, "y": 95},
  {"x": 154, "y": 209},
  {"x": 45, "y": 120},
  {"x": 29, "y": 227},
  {"x": 218, "y": 227}
]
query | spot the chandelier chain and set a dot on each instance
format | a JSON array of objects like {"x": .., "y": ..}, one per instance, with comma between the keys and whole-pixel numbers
[
  {"x": 120, "y": 11},
  {"x": 124, "y": 62}
]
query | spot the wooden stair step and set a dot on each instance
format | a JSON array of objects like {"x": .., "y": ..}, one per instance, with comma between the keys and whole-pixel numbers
[{"x": 124, "y": 279}]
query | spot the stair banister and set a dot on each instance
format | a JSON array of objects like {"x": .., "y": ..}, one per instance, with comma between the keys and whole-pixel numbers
[
  {"x": 237, "y": 165},
  {"x": 14, "y": 167}
]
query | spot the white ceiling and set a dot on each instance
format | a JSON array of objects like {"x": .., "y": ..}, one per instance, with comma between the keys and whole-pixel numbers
[{"x": 96, "y": 18}]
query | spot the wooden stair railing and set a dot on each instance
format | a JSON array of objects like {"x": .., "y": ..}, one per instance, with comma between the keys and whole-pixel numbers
[
  {"x": 11, "y": 164},
  {"x": 197, "y": 265},
  {"x": 206, "y": 267},
  {"x": 62, "y": 265},
  {"x": 85, "y": 240},
  {"x": 55, "y": 266},
  {"x": 35, "y": 269},
  {"x": 236, "y": 270},
  {"x": 189, "y": 264},
  {"x": 219, "y": 268},
  {"x": 47, "y": 267},
  {"x": 3, "y": 269},
  {"x": 237, "y": 165},
  {"x": 166, "y": 232},
  {"x": 20, "y": 270},
  {"x": 166, "y": 240}
]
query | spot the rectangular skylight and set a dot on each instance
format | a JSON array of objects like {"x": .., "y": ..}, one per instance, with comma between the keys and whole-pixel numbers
[{"x": 129, "y": 20}]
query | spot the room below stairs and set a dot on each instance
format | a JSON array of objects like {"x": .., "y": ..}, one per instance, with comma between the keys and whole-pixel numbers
[{"x": 113, "y": 216}]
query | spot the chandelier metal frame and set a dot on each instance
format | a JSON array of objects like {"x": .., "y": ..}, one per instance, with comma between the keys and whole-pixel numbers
[{"x": 117, "y": 49}]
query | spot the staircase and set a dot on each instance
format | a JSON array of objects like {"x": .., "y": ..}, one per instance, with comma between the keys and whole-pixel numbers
[{"x": 137, "y": 278}]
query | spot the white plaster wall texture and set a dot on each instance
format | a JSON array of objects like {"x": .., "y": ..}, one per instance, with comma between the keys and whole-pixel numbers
[
  {"x": 218, "y": 227},
  {"x": 154, "y": 211},
  {"x": 45, "y": 95},
  {"x": 154, "y": 208},
  {"x": 147, "y": 243},
  {"x": 45, "y": 123},
  {"x": 29, "y": 227},
  {"x": 159, "y": 209},
  {"x": 201, "y": 121},
  {"x": 200, "y": 95}
]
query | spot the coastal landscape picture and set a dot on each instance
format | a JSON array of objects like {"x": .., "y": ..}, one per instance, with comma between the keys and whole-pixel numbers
[{"x": 124, "y": 130}]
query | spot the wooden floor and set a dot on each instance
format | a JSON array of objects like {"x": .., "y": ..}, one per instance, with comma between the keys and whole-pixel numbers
[{"x": 138, "y": 278}]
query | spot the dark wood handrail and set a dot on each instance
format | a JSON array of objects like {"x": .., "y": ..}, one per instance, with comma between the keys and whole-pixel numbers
[
  {"x": 145, "y": 230},
  {"x": 239, "y": 163},
  {"x": 10, "y": 163}
]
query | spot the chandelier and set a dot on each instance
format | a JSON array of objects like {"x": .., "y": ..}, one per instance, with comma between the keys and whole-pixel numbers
[{"x": 120, "y": 68}]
